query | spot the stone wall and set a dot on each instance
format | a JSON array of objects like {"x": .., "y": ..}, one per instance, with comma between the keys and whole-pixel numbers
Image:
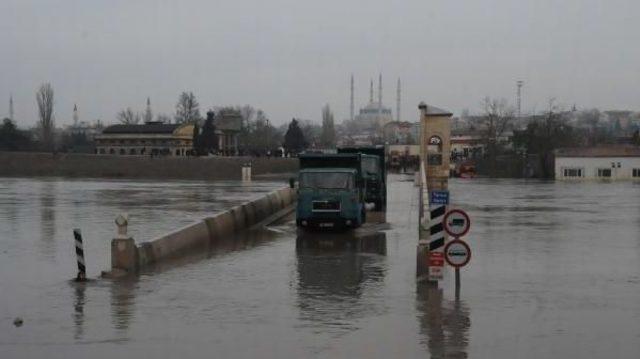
[{"x": 28, "y": 164}]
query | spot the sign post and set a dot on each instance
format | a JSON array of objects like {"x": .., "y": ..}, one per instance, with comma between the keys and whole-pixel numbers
[
  {"x": 456, "y": 223},
  {"x": 457, "y": 252}
]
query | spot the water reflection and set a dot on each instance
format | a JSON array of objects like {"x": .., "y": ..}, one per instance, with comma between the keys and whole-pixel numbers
[
  {"x": 48, "y": 191},
  {"x": 339, "y": 279},
  {"x": 123, "y": 295},
  {"x": 78, "y": 309},
  {"x": 444, "y": 323}
]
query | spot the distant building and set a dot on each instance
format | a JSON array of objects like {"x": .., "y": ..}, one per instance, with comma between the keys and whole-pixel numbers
[
  {"x": 374, "y": 116},
  {"x": 466, "y": 144},
  {"x": 228, "y": 126},
  {"x": 604, "y": 162},
  {"x": 151, "y": 138},
  {"x": 403, "y": 133}
]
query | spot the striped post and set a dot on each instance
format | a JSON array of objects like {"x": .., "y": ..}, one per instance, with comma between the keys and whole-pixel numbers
[
  {"x": 436, "y": 241},
  {"x": 82, "y": 270},
  {"x": 436, "y": 227}
]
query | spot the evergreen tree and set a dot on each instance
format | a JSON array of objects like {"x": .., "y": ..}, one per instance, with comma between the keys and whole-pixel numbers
[
  {"x": 294, "y": 141},
  {"x": 208, "y": 136},
  {"x": 11, "y": 138},
  {"x": 197, "y": 148}
]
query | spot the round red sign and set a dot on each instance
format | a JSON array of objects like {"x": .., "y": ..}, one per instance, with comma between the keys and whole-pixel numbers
[
  {"x": 456, "y": 223},
  {"x": 457, "y": 253}
]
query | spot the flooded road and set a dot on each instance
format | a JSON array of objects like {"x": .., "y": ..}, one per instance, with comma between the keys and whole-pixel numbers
[{"x": 555, "y": 273}]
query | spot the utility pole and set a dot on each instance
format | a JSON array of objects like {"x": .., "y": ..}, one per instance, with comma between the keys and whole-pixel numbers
[
  {"x": 398, "y": 102},
  {"x": 351, "y": 105},
  {"x": 519, "y": 84},
  {"x": 11, "y": 107}
]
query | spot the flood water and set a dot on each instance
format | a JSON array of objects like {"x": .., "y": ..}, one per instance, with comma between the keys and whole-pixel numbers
[{"x": 555, "y": 272}]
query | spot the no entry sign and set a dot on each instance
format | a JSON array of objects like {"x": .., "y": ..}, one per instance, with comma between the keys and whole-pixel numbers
[
  {"x": 457, "y": 253},
  {"x": 456, "y": 223}
]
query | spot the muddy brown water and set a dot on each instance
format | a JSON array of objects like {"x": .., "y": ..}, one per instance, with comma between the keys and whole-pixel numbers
[{"x": 555, "y": 273}]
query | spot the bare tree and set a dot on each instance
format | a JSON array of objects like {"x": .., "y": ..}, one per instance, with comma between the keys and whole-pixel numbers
[
  {"x": 187, "y": 108},
  {"x": 328, "y": 136},
  {"x": 128, "y": 116},
  {"x": 494, "y": 122},
  {"x": 163, "y": 117},
  {"x": 44, "y": 98},
  {"x": 496, "y": 119},
  {"x": 247, "y": 112}
]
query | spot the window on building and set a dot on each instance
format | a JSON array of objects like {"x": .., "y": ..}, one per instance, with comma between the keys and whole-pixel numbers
[
  {"x": 636, "y": 172},
  {"x": 102, "y": 151},
  {"x": 177, "y": 152},
  {"x": 604, "y": 172},
  {"x": 123, "y": 152},
  {"x": 434, "y": 159},
  {"x": 112, "y": 151},
  {"x": 132, "y": 151},
  {"x": 572, "y": 172}
]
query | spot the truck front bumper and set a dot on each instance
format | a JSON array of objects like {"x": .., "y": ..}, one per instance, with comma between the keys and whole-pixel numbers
[{"x": 326, "y": 223}]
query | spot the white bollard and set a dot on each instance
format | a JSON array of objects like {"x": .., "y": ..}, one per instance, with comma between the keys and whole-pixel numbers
[{"x": 246, "y": 172}]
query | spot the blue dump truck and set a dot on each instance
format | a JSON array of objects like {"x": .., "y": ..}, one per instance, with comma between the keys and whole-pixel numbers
[
  {"x": 331, "y": 193},
  {"x": 374, "y": 172}
]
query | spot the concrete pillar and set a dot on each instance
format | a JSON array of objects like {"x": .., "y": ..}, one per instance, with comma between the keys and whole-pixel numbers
[
  {"x": 246, "y": 172},
  {"x": 124, "y": 253},
  {"x": 235, "y": 144},
  {"x": 435, "y": 149}
]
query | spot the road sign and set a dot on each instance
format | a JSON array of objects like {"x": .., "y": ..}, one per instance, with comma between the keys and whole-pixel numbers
[
  {"x": 439, "y": 197},
  {"x": 436, "y": 265},
  {"x": 436, "y": 259},
  {"x": 457, "y": 253},
  {"x": 456, "y": 223}
]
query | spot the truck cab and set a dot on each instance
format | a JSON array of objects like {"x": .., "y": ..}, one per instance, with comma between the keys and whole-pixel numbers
[
  {"x": 373, "y": 172},
  {"x": 330, "y": 197}
]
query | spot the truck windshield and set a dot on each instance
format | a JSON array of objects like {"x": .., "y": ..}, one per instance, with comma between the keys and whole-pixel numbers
[
  {"x": 326, "y": 180},
  {"x": 370, "y": 165}
]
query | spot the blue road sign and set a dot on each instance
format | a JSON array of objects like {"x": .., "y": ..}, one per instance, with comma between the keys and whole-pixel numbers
[{"x": 439, "y": 197}]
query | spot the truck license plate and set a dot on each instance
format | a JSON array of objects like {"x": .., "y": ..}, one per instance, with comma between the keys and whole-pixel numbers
[{"x": 326, "y": 225}]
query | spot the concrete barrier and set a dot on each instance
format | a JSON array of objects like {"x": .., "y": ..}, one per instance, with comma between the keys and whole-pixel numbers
[
  {"x": 29, "y": 164},
  {"x": 204, "y": 232}
]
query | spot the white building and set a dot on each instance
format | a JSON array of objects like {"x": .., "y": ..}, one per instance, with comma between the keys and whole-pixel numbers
[{"x": 605, "y": 162}]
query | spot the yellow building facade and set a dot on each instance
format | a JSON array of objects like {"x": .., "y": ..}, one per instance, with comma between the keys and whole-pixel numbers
[{"x": 152, "y": 138}]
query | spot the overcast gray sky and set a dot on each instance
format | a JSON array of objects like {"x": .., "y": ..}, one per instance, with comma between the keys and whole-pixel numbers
[{"x": 289, "y": 57}]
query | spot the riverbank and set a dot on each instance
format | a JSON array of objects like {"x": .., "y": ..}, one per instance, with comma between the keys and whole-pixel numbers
[{"x": 28, "y": 164}]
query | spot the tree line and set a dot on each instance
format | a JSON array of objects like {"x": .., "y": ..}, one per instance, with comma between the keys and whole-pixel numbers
[
  {"x": 257, "y": 136},
  {"x": 538, "y": 139}
]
